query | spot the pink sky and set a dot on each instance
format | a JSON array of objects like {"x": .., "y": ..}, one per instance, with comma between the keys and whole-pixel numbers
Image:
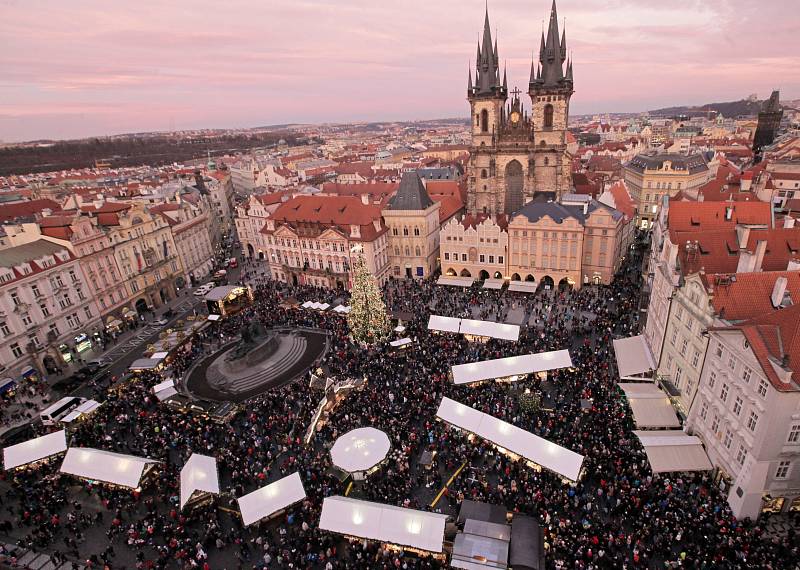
[{"x": 81, "y": 68}]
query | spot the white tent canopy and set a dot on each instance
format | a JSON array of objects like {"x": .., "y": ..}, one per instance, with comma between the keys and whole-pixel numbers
[
  {"x": 145, "y": 364},
  {"x": 523, "y": 286},
  {"x": 473, "y": 327},
  {"x": 198, "y": 474},
  {"x": 84, "y": 409},
  {"x": 105, "y": 466},
  {"x": 651, "y": 407},
  {"x": 511, "y": 366},
  {"x": 673, "y": 450},
  {"x": 35, "y": 449},
  {"x": 493, "y": 283},
  {"x": 400, "y": 342},
  {"x": 159, "y": 355},
  {"x": 633, "y": 356},
  {"x": 385, "y": 523},
  {"x": 163, "y": 385},
  {"x": 455, "y": 281},
  {"x": 268, "y": 500},
  {"x": 342, "y": 309},
  {"x": 360, "y": 449},
  {"x": 545, "y": 453}
]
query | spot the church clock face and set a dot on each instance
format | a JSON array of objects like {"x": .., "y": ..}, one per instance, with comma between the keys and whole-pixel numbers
[{"x": 515, "y": 118}]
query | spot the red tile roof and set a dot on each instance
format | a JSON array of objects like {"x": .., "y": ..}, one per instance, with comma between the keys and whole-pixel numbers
[
  {"x": 622, "y": 199},
  {"x": 775, "y": 340},
  {"x": 694, "y": 216},
  {"x": 15, "y": 210},
  {"x": 750, "y": 294},
  {"x": 330, "y": 211}
]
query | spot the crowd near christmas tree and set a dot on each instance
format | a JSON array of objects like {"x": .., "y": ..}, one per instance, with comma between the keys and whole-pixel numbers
[{"x": 618, "y": 516}]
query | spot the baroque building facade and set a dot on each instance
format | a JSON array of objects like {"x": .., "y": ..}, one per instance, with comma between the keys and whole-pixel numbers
[{"x": 515, "y": 154}]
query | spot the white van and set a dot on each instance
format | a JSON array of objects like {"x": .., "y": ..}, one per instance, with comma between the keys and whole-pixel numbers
[{"x": 51, "y": 415}]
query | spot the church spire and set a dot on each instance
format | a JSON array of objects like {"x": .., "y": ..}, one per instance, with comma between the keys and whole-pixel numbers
[
  {"x": 552, "y": 53},
  {"x": 487, "y": 73},
  {"x": 469, "y": 83}
]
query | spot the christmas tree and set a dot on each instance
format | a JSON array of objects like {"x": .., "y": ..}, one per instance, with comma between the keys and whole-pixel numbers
[{"x": 367, "y": 318}]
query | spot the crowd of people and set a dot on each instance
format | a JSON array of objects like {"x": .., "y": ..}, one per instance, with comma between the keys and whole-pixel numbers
[{"x": 618, "y": 516}]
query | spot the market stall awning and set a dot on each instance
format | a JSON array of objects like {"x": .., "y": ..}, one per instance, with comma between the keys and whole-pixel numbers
[
  {"x": 214, "y": 317},
  {"x": 511, "y": 366},
  {"x": 342, "y": 309},
  {"x": 160, "y": 355},
  {"x": 633, "y": 356},
  {"x": 490, "y": 329},
  {"x": 144, "y": 364},
  {"x": 523, "y": 286},
  {"x": 163, "y": 386},
  {"x": 400, "y": 342},
  {"x": 34, "y": 449},
  {"x": 547, "y": 454},
  {"x": 83, "y": 409},
  {"x": 105, "y": 466},
  {"x": 455, "y": 281},
  {"x": 493, "y": 283},
  {"x": 673, "y": 450},
  {"x": 360, "y": 449},
  {"x": 268, "y": 500},
  {"x": 527, "y": 544},
  {"x": 198, "y": 474},
  {"x": 385, "y": 523},
  {"x": 220, "y": 293},
  {"x": 651, "y": 407},
  {"x": 443, "y": 324},
  {"x": 166, "y": 394}
]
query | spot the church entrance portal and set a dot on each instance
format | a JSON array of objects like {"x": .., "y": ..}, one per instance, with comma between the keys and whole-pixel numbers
[{"x": 514, "y": 183}]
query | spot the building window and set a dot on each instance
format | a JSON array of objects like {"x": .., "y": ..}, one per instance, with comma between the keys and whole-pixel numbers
[
  {"x": 732, "y": 363},
  {"x": 88, "y": 312},
  {"x": 548, "y": 117},
  {"x": 737, "y": 405},
  {"x": 500, "y": 259},
  {"x": 54, "y": 330},
  {"x": 15, "y": 298},
  {"x": 715, "y": 423},
  {"x": 4, "y": 328},
  {"x": 484, "y": 121},
  {"x": 782, "y": 472},
  {"x": 16, "y": 350},
  {"x": 447, "y": 256},
  {"x": 794, "y": 434},
  {"x": 712, "y": 380},
  {"x": 491, "y": 259},
  {"x": 741, "y": 455},
  {"x": 746, "y": 374},
  {"x": 416, "y": 231},
  {"x": 463, "y": 257},
  {"x": 394, "y": 231},
  {"x": 704, "y": 410},
  {"x": 719, "y": 350},
  {"x": 684, "y": 344},
  {"x": 762, "y": 389},
  {"x": 26, "y": 319},
  {"x": 752, "y": 421},
  {"x": 674, "y": 338},
  {"x": 482, "y": 258},
  {"x": 728, "y": 439},
  {"x": 695, "y": 358},
  {"x": 35, "y": 290},
  {"x": 723, "y": 394}
]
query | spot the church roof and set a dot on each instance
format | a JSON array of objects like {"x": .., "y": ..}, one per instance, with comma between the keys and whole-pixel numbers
[{"x": 411, "y": 194}]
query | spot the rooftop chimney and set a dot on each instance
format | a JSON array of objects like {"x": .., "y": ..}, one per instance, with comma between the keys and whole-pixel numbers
[
  {"x": 788, "y": 222},
  {"x": 761, "y": 249},
  {"x": 778, "y": 291},
  {"x": 365, "y": 199},
  {"x": 728, "y": 212},
  {"x": 742, "y": 236}
]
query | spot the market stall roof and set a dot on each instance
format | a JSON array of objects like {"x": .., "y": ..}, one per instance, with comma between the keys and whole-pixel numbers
[
  {"x": 633, "y": 356},
  {"x": 219, "y": 293},
  {"x": 651, "y": 407},
  {"x": 144, "y": 364},
  {"x": 511, "y": 366},
  {"x": 400, "y": 342},
  {"x": 159, "y": 355},
  {"x": 493, "y": 283},
  {"x": 456, "y": 281},
  {"x": 163, "y": 385},
  {"x": 85, "y": 408},
  {"x": 385, "y": 523},
  {"x": 490, "y": 329},
  {"x": 476, "y": 510},
  {"x": 360, "y": 449},
  {"x": 547, "y": 454},
  {"x": 342, "y": 309},
  {"x": 399, "y": 329},
  {"x": 105, "y": 466},
  {"x": 308, "y": 304},
  {"x": 443, "y": 324},
  {"x": 199, "y": 473},
  {"x": 268, "y": 500},
  {"x": 213, "y": 317},
  {"x": 34, "y": 449},
  {"x": 673, "y": 450},
  {"x": 527, "y": 544},
  {"x": 478, "y": 552},
  {"x": 523, "y": 286}
]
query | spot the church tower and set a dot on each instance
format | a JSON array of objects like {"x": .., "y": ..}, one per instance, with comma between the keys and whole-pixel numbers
[{"x": 550, "y": 88}]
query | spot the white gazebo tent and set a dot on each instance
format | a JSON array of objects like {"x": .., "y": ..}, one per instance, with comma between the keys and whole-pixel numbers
[
  {"x": 360, "y": 451},
  {"x": 34, "y": 450},
  {"x": 493, "y": 283},
  {"x": 343, "y": 309},
  {"x": 489, "y": 329},
  {"x": 651, "y": 407},
  {"x": 145, "y": 364},
  {"x": 633, "y": 357},
  {"x": 546, "y": 454},
  {"x": 81, "y": 412},
  {"x": 397, "y": 526},
  {"x": 106, "y": 466},
  {"x": 199, "y": 474},
  {"x": 443, "y": 324},
  {"x": 511, "y": 367},
  {"x": 523, "y": 286},
  {"x": 673, "y": 451},
  {"x": 271, "y": 499},
  {"x": 399, "y": 343},
  {"x": 455, "y": 281}
]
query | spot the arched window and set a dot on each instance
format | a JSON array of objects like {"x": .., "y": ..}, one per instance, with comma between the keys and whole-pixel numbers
[
  {"x": 484, "y": 121},
  {"x": 546, "y": 161},
  {"x": 418, "y": 252},
  {"x": 405, "y": 231},
  {"x": 394, "y": 231},
  {"x": 548, "y": 116},
  {"x": 396, "y": 250},
  {"x": 408, "y": 251},
  {"x": 484, "y": 173},
  {"x": 416, "y": 231}
]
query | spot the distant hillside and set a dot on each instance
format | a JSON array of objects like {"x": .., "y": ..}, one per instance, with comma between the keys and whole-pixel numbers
[{"x": 745, "y": 107}]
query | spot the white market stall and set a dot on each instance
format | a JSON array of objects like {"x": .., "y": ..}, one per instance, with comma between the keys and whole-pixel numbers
[
  {"x": 511, "y": 367},
  {"x": 523, "y": 286},
  {"x": 651, "y": 407},
  {"x": 439, "y": 323},
  {"x": 106, "y": 466},
  {"x": 454, "y": 281},
  {"x": 532, "y": 448},
  {"x": 199, "y": 475},
  {"x": 673, "y": 451},
  {"x": 142, "y": 364},
  {"x": 473, "y": 329},
  {"x": 271, "y": 499},
  {"x": 493, "y": 283},
  {"x": 360, "y": 451},
  {"x": 395, "y": 526},
  {"x": 33, "y": 450},
  {"x": 633, "y": 357},
  {"x": 343, "y": 309},
  {"x": 82, "y": 412}
]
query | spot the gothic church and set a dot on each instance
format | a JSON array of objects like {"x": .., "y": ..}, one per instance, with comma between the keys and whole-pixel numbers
[{"x": 514, "y": 154}]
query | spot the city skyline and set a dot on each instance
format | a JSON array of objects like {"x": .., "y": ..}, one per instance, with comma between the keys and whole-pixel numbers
[{"x": 160, "y": 68}]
